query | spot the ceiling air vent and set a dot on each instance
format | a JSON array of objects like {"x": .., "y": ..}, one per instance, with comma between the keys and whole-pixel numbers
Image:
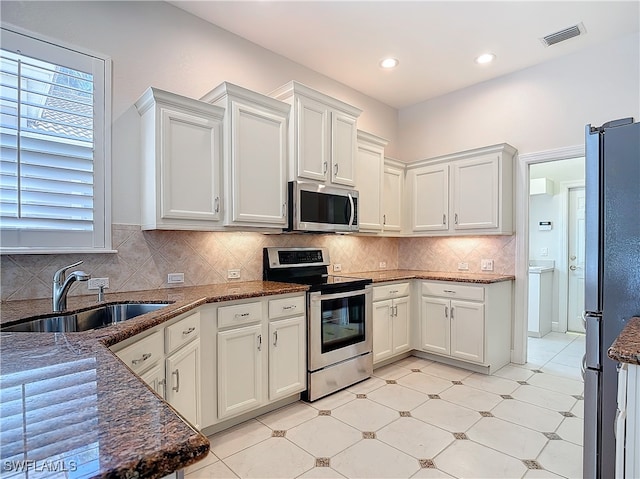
[{"x": 562, "y": 35}]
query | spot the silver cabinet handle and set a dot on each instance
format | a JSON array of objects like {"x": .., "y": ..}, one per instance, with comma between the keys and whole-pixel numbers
[
  {"x": 335, "y": 169},
  {"x": 446, "y": 312},
  {"x": 188, "y": 331},
  {"x": 241, "y": 315},
  {"x": 450, "y": 291},
  {"x": 393, "y": 291},
  {"x": 384, "y": 220},
  {"x": 284, "y": 209},
  {"x": 275, "y": 338},
  {"x": 452, "y": 308},
  {"x": 287, "y": 308},
  {"x": 259, "y": 342},
  {"x": 176, "y": 373},
  {"x": 324, "y": 168},
  {"x": 455, "y": 218},
  {"x": 144, "y": 357},
  {"x": 444, "y": 219},
  {"x": 395, "y": 310},
  {"x": 216, "y": 204}
]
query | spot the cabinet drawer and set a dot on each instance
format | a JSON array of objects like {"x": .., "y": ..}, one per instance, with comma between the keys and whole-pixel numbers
[
  {"x": 182, "y": 332},
  {"x": 389, "y": 291},
  {"x": 239, "y": 314},
  {"x": 281, "y": 308},
  {"x": 453, "y": 291},
  {"x": 143, "y": 354}
]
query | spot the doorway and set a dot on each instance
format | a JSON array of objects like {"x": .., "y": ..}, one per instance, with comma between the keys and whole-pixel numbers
[{"x": 556, "y": 246}]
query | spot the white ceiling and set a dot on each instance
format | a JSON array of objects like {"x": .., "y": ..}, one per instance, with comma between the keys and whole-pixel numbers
[{"x": 435, "y": 41}]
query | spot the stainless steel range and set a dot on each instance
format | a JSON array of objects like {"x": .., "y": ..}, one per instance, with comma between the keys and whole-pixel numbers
[{"x": 339, "y": 318}]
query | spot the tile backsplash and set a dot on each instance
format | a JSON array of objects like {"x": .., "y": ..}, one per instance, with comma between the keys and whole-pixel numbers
[{"x": 145, "y": 258}]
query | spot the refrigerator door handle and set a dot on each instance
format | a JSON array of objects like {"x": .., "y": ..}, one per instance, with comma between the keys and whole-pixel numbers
[{"x": 593, "y": 326}]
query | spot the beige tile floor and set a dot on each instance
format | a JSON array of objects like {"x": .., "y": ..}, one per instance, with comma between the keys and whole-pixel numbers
[{"x": 420, "y": 419}]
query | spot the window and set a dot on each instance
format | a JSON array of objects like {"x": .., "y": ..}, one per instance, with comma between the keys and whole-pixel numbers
[{"x": 54, "y": 140}]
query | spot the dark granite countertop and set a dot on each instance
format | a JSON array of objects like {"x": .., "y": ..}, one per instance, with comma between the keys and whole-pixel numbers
[
  {"x": 68, "y": 403},
  {"x": 402, "y": 274},
  {"x": 626, "y": 347}
]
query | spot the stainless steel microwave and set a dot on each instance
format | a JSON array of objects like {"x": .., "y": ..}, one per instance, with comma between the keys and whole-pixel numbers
[{"x": 320, "y": 208}]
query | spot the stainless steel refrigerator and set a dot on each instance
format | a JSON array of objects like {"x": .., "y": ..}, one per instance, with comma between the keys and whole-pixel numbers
[{"x": 612, "y": 277}]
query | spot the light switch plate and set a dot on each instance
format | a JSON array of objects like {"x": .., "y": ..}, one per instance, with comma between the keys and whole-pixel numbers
[
  {"x": 463, "y": 266},
  {"x": 486, "y": 265},
  {"x": 175, "y": 278},
  {"x": 233, "y": 274},
  {"x": 337, "y": 267}
]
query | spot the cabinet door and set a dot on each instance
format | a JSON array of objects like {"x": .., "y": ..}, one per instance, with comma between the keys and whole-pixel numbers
[
  {"x": 312, "y": 139},
  {"x": 287, "y": 357},
  {"x": 401, "y": 325},
  {"x": 369, "y": 171},
  {"x": 240, "y": 358},
  {"x": 467, "y": 330},
  {"x": 430, "y": 198},
  {"x": 436, "y": 330},
  {"x": 475, "y": 193},
  {"x": 392, "y": 199},
  {"x": 155, "y": 378},
  {"x": 183, "y": 381},
  {"x": 258, "y": 165},
  {"x": 382, "y": 330},
  {"x": 189, "y": 174},
  {"x": 344, "y": 134}
]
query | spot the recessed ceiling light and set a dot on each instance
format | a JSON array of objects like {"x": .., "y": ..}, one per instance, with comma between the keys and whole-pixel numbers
[
  {"x": 485, "y": 58},
  {"x": 389, "y": 63}
]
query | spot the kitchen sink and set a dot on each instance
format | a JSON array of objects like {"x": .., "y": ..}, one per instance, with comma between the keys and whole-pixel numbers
[{"x": 94, "y": 318}]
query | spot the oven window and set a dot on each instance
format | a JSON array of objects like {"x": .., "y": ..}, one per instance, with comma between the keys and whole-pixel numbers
[{"x": 342, "y": 322}]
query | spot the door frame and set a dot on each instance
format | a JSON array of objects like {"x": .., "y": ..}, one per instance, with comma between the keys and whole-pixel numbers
[
  {"x": 562, "y": 324},
  {"x": 519, "y": 335}
]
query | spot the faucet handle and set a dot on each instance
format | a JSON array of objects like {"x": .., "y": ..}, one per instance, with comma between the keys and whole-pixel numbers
[{"x": 58, "y": 276}]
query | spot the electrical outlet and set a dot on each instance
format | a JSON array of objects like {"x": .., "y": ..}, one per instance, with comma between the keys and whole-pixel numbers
[
  {"x": 486, "y": 265},
  {"x": 544, "y": 251},
  {"x": 383, "y": 264},
  {"x": 337, "y": 267},
  {"x": 233, "y": 274},
  {"x": 95, "y": 283},
  {"x": 175, "y": 278},
  {"x": 463, "y": 266}
]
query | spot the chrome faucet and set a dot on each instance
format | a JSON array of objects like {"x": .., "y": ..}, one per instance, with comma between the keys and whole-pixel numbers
[{"x": 62, "y": 283}]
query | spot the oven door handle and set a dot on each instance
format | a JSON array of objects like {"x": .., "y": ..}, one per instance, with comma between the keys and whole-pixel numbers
[{"x": 323, "y": 297}]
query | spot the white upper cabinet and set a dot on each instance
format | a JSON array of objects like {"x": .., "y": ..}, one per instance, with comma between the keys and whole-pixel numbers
[
  {"x": 392, "y": 195},
  {"x": 322, "y": 135},
  {"x": 255, "y": 156},
  {"x": 369, "y": 171},
  {"x": 181, "y": 162},
  {"x": 465, "y": 193}
]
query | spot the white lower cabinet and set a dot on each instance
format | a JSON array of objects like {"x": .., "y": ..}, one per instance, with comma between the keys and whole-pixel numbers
[
  {"x": 183, "y": 381},
  {"x": 627, "y": 424},
  {"x": 465, "y": 322},
  {"x": 169, "y": 363},
  {"x": 240, "y": 359},
  {"x": 391, "y": 320},
  {"x": 264, "y": 361}
]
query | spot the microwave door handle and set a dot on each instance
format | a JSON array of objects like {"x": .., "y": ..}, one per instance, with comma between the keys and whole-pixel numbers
[{"x": 352, "y": 209}]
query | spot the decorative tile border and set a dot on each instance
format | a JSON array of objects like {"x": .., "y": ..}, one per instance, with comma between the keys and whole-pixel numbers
[
  {"x": 552, "y": 435},
  {"x": 278, "y": 433},
  {"x": 323, "y": 462},
  {"x": 416, "y": 370},
  {"x": 434, "y": 396},
  {"x": 567, "y": 413},
  {"x": 460, "y": 435},
  {"x": 391, "y": 381},
  {"x": 457, "y": 383},
  {"x": 506, "y": 396},
  {"x": 537, "y": 371},
  {"x": 532, "y": 464},
  {"x": 579, "y": 397},
  {"x": 368, "y": 435},
  {"x": 405, "y": 413},
  {"x": 523, "y": 383},
  {"x": 324, "y": 412},
  {"x": 486, "y": 414},
  {"x": 361, "y": 396},
  {"x": 427, "y": 463}
]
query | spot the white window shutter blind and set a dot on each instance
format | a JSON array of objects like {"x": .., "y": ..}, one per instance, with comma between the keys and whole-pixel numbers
[{"x": 52, "y": 161}]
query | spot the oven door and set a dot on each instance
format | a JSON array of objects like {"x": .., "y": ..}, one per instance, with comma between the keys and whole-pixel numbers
[{"x": 339, "y": 326}]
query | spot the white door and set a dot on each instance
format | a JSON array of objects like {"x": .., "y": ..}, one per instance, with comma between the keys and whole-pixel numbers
[
  {"x": 382, "y": 330},
  {"x": 575, "y": 303},
  {"x": 287, "y": 357},
  {"x": 392, "y": 199},
  {"x": 475, "y": 193},
  {"x": 344, "y": 134},
  {"x": 401, "y": 325},
  {"x": 183, "y": 381},
  {"x": 369, "y": 170},
  {"x": 312, "y": 139},
  {"x": 436, "y": 328},
  {"x": 429, "y": 198},
  {"x": 240, "y": 360},
  {"x": 467, "y": 330}
]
